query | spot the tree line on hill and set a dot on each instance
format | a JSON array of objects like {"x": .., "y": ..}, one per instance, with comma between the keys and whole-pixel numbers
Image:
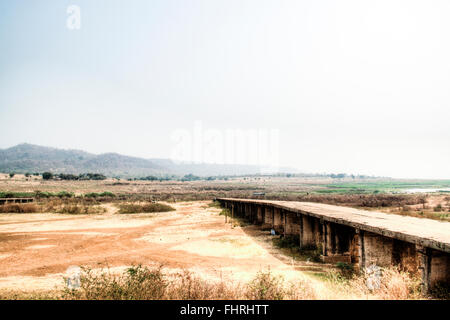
[{"x": 188, "y": 177}]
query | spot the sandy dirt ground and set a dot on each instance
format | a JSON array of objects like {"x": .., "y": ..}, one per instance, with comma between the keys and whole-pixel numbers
[{"x": 37, "y": 249}]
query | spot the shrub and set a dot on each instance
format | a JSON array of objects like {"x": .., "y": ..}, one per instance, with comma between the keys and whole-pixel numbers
[
  {"x": 214, "y": 204},
  {"x": 76, "y": 209},
  {"x": 345, "y": 269},
  {"x": 105, "y": 194},
  {"x": 8, "y": 194},
  {"x": 266, "y": 286},
  {"x": 65, "y": 194},
  {"x": 290, "y": 242},
  {"x": 186, "y": 286},
  {"x": 40, "y": 194},
  {"x": 144, "y": 283},
  {"x": 145, "y": 208},
  {"x": 19, "y": 208},
  {"x": 393, "y": 285},
  {"x": 136, "y": 283},
  {"x": 47, "y": 175}
]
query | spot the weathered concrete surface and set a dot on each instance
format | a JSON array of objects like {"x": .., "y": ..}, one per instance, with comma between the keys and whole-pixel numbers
[
  {"x": 425, "y": 232},
  {"x": 292, "y": 224},
  {"x": 268, "y": 217},
  {"x": 278, "y": 220}
]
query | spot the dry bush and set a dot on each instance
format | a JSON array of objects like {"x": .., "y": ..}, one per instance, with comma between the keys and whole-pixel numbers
[
  {"x": 144, "y": 283},
  {"x": 71, "y": 206},
  {"x": 79, "y": 209},
  {"x": 394, "y": 285},
  {"x": 19, "y": 208},
  {"x": 265, "y": 286},
  {"x": 187, "y": 286},
  {"x": 144, "y": 208},
  {"x": 136, "y": 283}
]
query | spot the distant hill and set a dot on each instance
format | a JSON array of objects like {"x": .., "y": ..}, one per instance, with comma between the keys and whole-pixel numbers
[{"x": 32, "y": 158}]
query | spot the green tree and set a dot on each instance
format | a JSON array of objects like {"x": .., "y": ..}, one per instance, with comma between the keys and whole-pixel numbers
[{"x": 47, "y": 175}]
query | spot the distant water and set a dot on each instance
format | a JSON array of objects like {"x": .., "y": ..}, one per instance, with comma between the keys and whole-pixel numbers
[{"x": 425, "y": 190}]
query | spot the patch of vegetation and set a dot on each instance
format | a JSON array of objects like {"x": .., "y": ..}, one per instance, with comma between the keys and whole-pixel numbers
[
  {"x": 19, "y": 295},
  {"x": 47, "y": 175},
  {"x": 145, "y": 208},
  {"x": 191, "y": 177},
  {"x": 290, "y": 242},
  {"x": 382, "y": 186},
  {"x": 78, "y": 209},
  {"x": 214, "y": 204},
  {"x": 105, "y": 194},
  {"x": 225, "y": 212},
  {"x": 346, "y": 270},
  {"x": 65, "y": 194},
  {"x": 9, "y": 194},
  {"x": 136, "y": 283},
  {"x": 145, "y": 283},
  {"x": 266, "y": 286},
  {"x": 19, "y": 208},
  {"x": 291, "y": 245}
]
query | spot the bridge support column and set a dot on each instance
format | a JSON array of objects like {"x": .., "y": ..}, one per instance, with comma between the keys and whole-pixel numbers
[
  {"x": 425, "y": 256},
  {"x": 361, "y": 250},
  {"x": 307, "y": 236},
  {"x": 268, "y": 217},
  {"x": 278, "y": 220},
  {"x": 259, "y": 214},
  {"x": 378, "y": 250},
  {"x": 254, "y": 213},
  {"x": 292, "y": 227},
  {"x": 248, "y": 212},
  {"x": 434, "y": 267}
]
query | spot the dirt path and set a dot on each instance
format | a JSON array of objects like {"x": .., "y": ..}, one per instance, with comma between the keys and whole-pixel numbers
[{"x": 37, "y": 249}]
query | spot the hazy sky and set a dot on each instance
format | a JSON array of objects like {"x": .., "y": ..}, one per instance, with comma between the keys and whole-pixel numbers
[{"x": 350, "y": 86}]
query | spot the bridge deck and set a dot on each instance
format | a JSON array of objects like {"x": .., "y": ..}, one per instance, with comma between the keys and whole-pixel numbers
[{"x": 426, "y": 232}]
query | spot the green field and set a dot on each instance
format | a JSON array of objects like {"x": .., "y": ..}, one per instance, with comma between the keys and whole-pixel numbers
[{"x": 384, "y": 186}]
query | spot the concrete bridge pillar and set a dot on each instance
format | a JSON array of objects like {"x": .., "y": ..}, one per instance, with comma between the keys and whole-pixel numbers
[
  {"x": 248, "y": 211},
  {"x": 278, "y": 220},
  {"x": 259, "y": 214},
  {"x": 292, "y": 223},
  {"x": 307, "y": 232},
  {"x": 254, "y": 213},
  {"x": 378, "y": 250},
  {"x": 268, "y": 217},
  {"x": 434, "y": 267}
]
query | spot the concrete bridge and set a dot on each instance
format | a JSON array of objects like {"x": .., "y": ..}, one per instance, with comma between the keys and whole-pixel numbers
[
  {"x": 359, "y": 237},
  {"x": 15, "y": 200}
]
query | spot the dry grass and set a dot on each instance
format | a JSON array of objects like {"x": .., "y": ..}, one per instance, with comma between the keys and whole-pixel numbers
[
  {"x": 65, "y": 206},
  {"x": 144, "y": 208},
  {"x": 19, "y": 208},
  {"x": 144, "y": 283},
  {"x": 79, "y": 209},
  {"x": 392, "y": 285}
]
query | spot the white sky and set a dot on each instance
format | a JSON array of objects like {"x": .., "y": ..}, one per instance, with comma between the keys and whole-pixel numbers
[{"x": 351, "y": 86}]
